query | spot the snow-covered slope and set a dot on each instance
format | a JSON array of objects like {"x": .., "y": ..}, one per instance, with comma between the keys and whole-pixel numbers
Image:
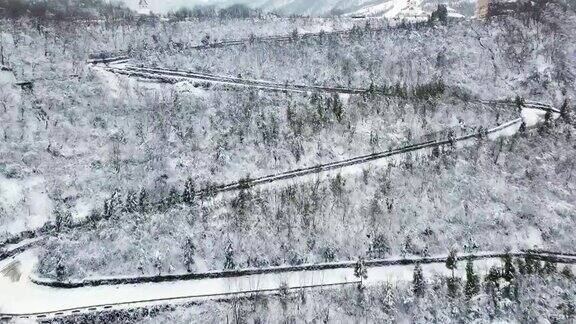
[{"x": 400, "y": 9}]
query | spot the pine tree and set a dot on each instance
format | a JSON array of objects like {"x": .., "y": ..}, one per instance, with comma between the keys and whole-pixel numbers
[
  {"x": 521, "y": 266},
  {"x": 492, "y": 283},
  {"x": 229, "y": 258},
  {"x": 548, "y": 117},
  {"x": 453, "y": 285},
  {"x": 189, "y": 191},
  {"x": 173, "y": 198},
  {"x": 372, "y": 89},
  {"x": 295, "y": 34},
  {"x": 60, "y": 270},
  {"x": 284, "y": 295},
  {"x": 440, "y": 14},
  {"x": 443, "y": 13},
  {"x": 519, "y": 101},
  {"x": 360, "y": 271},
  {"x": 143, "y": 201},
  {"x": 189, "y": 251},
  {"x": 337, "y": 107},
  {"x": 63, "y": 218},
  {"x": 452, "y": 262},
  {"x": 112, "y": 205},
  {"x": 131, "y": 203},
  {"x": 549, "y": 268},
  {"x": 107, "y": 210},
  {"x": 565, "y": 110},
  {"x": 523, "y": 128},
  {"x": 472, "y": 281},
  {"x": 418, "y": 281},
  {"x": 567, "y": 272},
  {"x": 509, "y": 272}
]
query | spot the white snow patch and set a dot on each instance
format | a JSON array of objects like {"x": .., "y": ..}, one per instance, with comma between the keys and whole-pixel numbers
[
  {"x": 10, "y": 190},
  {"x": 533, "y": 117},
  {"x": 186, "y": 86},
  {"x": 26, "y": 202}
]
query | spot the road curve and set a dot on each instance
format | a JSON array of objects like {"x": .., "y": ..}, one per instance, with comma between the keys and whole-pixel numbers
[
  {"x": 41, "y": 299},
  {"x": 528, "y": 113},
  {"x": 507, "y": 129},
  {"x": 175, "y": 76},
  {"x": 30, "y": 300}
]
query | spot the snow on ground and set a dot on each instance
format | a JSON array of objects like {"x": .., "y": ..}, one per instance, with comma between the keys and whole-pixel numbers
[
  {"x": 32, "y": 194},
  {"x": 505, "y": 130},
  {"x": 186, "y": 86},
  {"x": 6, "y": 77},
  {"x": 532, "y": 116},
  {"x": 389, "y": 7},
  {"x": 409, "y": 10},
  {"x": 452, "y": 13},
  {"x": 12, "y": 247},
  {"x": 27, "y": 297}
]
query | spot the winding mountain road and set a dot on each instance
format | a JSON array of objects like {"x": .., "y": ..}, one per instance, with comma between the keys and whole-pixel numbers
[
  {"x": 38, "y": 298},
  {"x": 175, "y": 76},
  {"x": 22, "y": 295}
]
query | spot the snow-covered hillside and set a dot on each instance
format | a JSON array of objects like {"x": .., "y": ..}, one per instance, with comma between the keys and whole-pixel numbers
[
  {"x": 401, "y": 9},
  {"x": 381, "y": 8}
]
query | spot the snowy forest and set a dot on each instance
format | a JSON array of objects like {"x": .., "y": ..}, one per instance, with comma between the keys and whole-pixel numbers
[{"x": 121, "y": 177}]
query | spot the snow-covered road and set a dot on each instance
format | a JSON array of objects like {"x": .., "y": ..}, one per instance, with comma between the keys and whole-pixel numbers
[{"x": 21, "y": 297}]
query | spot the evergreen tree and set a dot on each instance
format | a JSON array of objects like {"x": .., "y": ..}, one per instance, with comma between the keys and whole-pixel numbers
[
  {"x": 565, "y": 110},
  {"x": 521, "y": 265},
  {"x": 229, "y": 258},
  {"x": 443, "y": 13},
  {"x": 337, "y": 107},
  {"x": 360, "y": 271},
  {"x": 545, "y": 127},
  {"x": 509, "y": 272},
  {"x": 567, "y": 272},
  {"x": 63, "y": 218},
  {"x": 519, "y": 101},
  {"x": 294, "y": 34},
  {"x": 523, "y": 128},
  {"x": 472, "y": 281},
  {"x": 189, "y": 191},
  {"x": 492, "y": 284},
  {"x": 284, "y": 295},
  {"x": 60, "y": 270},
  {"x": 107, "y": 213},
  {"x": 206, "y": 40},
  {"x": 453, "y": 285},
  {"x": 372, "y": 89},
  {"x": 493, "y": 276},
  {"x": 452, "y": 137},
  {"x": 131, "y": 203},
  {"x": 189, "y": 251},
  {"x": 452, "y": 261},
  {"x": 549, "y": 268},
  {"x": 418, "y": 281},
  {"x": 112, "y": 205},
  {"x": 548, "y": 117},
  {"x": 173, "y": 198},
  {"x": 440, "y": 14},
  {"x": 143, "y": 201}
]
